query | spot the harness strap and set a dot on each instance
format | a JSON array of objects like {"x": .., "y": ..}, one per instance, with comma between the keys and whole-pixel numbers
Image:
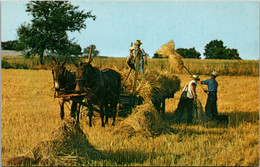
[
  {"x": 68, "y": 106},
  {"x": 80, "y": 79}
]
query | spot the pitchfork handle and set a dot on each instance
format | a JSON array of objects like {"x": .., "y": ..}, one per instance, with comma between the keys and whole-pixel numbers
[
  {"x": 187, "y": 70},
  {"x": 127, "y": 76}
]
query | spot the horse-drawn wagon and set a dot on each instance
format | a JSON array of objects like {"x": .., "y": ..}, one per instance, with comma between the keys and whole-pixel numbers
[
  {"x": 102, "y": 89},
  {"x": 127, "y": 101}
]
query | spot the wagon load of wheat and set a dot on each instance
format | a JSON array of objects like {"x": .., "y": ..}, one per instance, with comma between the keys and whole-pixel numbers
[
  {"x": 154, "y": 85},
  {"x": 144, "y": 120}
]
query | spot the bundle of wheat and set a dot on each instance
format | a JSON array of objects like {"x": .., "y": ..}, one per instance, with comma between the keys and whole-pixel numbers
[
  {"x": 168, "y": 51},
  {"x": 68, "y": 145},
  {"x": 144, "y": 120},
  {"x": 198, "y": 114}
]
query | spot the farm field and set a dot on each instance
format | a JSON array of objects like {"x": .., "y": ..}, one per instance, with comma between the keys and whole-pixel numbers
[{"x": 30, "y": 117}]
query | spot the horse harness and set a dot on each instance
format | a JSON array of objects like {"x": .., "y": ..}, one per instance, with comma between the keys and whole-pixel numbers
[{"x": 66, "y": 84}]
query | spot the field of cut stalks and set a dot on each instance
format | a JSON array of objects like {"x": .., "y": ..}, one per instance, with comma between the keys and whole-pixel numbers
[{"x": 34, "y": 134}]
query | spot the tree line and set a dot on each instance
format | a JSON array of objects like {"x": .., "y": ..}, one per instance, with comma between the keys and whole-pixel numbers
[{"x": 213, "y": 50}]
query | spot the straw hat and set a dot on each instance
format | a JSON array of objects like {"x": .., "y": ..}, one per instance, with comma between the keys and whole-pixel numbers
[
  {"x": 214, "y": 73},
  {"x": 132, "y": 48},
  {"x": 138, "y": 42},
  {"x": 196, "y": 77}
]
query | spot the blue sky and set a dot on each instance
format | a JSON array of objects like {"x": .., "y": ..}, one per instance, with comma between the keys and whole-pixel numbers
[{"x": 188, "y": 23}]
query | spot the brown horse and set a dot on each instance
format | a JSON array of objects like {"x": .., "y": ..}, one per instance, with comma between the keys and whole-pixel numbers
[
  {"x": 102, "y": 87},
  {"x": 64, "y": 82}
]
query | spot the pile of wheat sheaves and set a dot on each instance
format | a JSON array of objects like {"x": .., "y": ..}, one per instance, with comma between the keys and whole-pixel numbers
[
  {"x": 68, "y": 145},
  {"x": 145, "y": 120}
]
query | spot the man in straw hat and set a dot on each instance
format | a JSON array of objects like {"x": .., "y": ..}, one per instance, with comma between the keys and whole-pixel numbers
[
  {"x": 140, "y": 56},
  {"x": 211, "y": 106},
  {"x": 187, "y": 97},
  {"x": 130, "y": 58}
]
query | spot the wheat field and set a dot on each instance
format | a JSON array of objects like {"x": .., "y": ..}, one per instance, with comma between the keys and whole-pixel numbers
[{"x": 30, "y": 116}]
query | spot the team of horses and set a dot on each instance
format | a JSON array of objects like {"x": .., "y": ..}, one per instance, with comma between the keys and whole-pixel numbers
[{"x": 100, "y": 88}]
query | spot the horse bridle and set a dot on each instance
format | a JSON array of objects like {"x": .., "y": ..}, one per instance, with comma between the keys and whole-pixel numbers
[
  {"x": 84, "y": 79},
  {"x": 64, "y": 74}
]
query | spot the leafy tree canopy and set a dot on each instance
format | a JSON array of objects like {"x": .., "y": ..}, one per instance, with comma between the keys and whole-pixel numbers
[
  {"x": 11, "y": 45},
  {"x": 50, "y": 23},
  {"x": 189, "y": 53},
  {"x": 215, "y": 49}
]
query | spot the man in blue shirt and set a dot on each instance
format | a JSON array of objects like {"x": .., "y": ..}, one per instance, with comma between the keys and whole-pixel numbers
[{"x": 211, "y": 106}]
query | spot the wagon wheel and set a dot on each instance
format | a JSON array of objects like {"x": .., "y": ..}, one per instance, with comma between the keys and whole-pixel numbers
[
  {"x": 127, "y": 102},
  {"x": 83, "y": 111},
  {"x": 84, "y": 108}
]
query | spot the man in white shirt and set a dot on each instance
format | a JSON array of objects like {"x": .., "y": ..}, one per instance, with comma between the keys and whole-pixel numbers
[{"x": 187, "y": 98}]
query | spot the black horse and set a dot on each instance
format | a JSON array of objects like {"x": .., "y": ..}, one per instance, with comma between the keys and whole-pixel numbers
[
  {"x": 64, "y": 83},
  {"x": 102, "y": 88}
]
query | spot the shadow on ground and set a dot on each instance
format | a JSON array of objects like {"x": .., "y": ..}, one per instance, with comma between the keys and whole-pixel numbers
[{"x": 235, "y": 118}]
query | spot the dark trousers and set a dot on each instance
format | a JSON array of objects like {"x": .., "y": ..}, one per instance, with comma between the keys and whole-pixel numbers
[
  {"x": 141, "y": 66},
  {"x": 188, "y": 103},
  {"x": 211, "y": 106}
]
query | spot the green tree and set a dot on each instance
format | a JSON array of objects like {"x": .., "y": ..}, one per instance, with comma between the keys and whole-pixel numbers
[
  {"x": 11, "y": 45},
  {"x": 75, "y": 49},
  {"x": 215, "y": 49},
  {"x": 189, "y": 53},
  {"x": 50, "y": 23},
  {"x": 94, "y": 51},
  {"x": 232, "y": 54},
  {"x": 71, "y": 49}
]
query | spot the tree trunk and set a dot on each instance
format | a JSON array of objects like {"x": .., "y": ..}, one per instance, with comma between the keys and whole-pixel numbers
[{"x": 41, "y": 58}]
